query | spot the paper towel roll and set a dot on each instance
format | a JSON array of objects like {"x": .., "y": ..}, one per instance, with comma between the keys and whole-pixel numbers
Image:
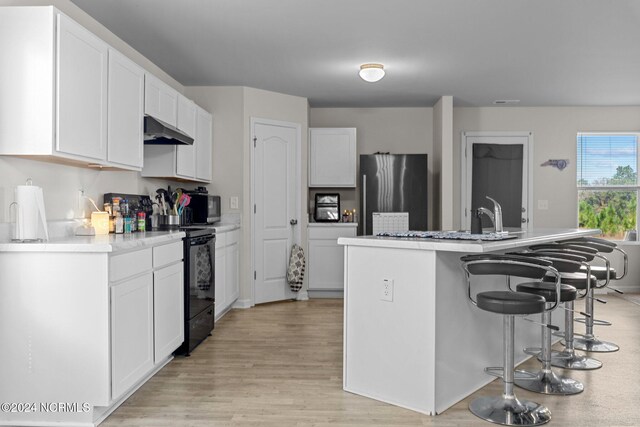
[{"x": 31, "y": 220}]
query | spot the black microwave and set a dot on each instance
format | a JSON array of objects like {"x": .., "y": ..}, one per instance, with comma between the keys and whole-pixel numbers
[{"x": 205, "y": 208}]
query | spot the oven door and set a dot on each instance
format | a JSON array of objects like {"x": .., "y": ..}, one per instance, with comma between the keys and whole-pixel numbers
[{"x": 201, "y": 274}]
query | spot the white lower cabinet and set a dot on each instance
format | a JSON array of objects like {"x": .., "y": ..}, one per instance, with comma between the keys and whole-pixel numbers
[
  {"x": 131, "y": 332},
  {"x": 326, "y": 257},
  {"x": 168, "y": 314},
  {"x": 227, "y": 270},
  {"x": 147, "y": 312}
]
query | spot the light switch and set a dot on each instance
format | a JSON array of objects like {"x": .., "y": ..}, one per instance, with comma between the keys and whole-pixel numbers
[{"x": 233, "y": 202}]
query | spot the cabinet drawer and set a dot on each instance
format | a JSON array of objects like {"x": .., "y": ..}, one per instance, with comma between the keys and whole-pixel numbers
[
  {"x": 166, "y": 254},
  {"x": 129, "y": 264},
  {"x": 233, "y": 237},
  {"x": 221, "y": 240},
  {"x": 331, "y": 232}
]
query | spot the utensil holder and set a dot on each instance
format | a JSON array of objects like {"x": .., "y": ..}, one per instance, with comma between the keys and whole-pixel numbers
[{"x": 168, "y": 222}]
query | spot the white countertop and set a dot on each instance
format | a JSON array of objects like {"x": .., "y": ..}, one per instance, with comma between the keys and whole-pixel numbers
[
  {"x": 108, "y": 243},
  {"x": 332, "y": 224},
  {"x": 223, "y": 228},
  {"x": 536, "y": 236}
]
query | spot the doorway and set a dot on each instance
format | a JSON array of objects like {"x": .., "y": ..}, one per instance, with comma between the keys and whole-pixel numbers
[
  {"x": 275, "y": 197},
  {"x": 498, "y": 165}
]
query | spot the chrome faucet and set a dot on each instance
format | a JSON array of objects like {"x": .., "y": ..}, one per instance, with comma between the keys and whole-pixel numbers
[{"x": 495, "y": 216}]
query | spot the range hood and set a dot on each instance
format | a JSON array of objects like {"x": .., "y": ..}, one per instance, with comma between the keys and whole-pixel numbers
[{"x": 157, "y": 132}]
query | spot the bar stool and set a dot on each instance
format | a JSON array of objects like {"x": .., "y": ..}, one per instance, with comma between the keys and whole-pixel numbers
[
  {"x": 546, "y": 381},
  {"x": 568, "y": 358},
  {"x": 605, "y": 274},
  {"x": 508, "y": 409}
]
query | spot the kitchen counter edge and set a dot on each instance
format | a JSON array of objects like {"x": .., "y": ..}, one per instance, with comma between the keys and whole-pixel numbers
[
  {"x": 93, "y": 244},
  {"x": 536, "y": 236}
]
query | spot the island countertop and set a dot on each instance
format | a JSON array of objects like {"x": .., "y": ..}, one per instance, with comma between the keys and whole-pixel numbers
[{"x": 526, "y": 238}]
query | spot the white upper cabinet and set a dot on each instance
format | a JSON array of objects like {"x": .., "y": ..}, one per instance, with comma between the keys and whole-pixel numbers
[
  {"x": 186, "y": 162},
  {"x": 160, "y": 100},
  {"x": 332, "y": 157},
  {"x": 204, "y": 145},
  {"x": 186, "y": 154},
  {"x": 126, "y": 104},
  {"x": 82, "y": 91},
  {"x": 61, "y": 97}
]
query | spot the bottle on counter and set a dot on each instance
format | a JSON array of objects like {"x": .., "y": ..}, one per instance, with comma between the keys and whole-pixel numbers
[
  {"x": 127, "y": 224},
  {"x": 119, "y": 223},
  {"x": 142, "y": 221}
]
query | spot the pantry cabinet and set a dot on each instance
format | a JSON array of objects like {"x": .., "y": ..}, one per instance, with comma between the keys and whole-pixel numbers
[
  {"x": 332, "y": 157},
  {"x": 59, "y": 99},
  {"x": 326, "y": 257}
]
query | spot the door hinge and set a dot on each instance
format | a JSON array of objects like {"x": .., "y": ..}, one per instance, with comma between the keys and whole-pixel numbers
[
  {"x": 254, "y": 208},
  {"x": 255, "y": 275},
  {"x": 254, "y": 141},
  {"x": 465, "y": 212}
]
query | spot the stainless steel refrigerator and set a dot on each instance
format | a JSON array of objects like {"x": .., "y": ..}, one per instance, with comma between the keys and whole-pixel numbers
[{"x": 393, "y": 183}]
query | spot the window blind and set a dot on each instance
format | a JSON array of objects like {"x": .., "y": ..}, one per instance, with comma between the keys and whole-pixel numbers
[{"x": 607, "y": 160}]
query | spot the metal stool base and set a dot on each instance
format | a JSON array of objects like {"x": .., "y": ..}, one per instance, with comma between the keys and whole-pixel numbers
[
  {"x": 510, "y": 412},
  {"x": 594, "y": 345},
  {"x": 560, "y": 359},
  {"x": 550, "y": 383}
]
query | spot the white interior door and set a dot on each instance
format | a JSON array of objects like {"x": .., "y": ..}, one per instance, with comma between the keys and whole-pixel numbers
[
  {"x": 498, "y": 165},
  {"x": 276, "y": 211}
]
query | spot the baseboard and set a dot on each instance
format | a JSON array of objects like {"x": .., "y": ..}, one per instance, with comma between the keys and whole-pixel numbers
[
  {"x": 242, "y": 303},
  {"x": 302, "y": 296},
  {"x": 325, "y": 294}
]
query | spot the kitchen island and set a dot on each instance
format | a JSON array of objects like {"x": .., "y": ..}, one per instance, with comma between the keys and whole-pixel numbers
[
  {"x": 412, "y": 338},
  {"x": 84, "y": 322}
]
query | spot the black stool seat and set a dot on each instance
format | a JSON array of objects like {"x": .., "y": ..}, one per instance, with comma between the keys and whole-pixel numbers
[
  {"x": 507, "y": 302},
  {"x": 577, "y": 280},
  {"x": 548, "y": 291},
  {"x": 600, "y": 271}
]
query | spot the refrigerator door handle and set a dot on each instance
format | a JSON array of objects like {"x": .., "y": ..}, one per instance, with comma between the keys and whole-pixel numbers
[{"x": 364, "y": 205}]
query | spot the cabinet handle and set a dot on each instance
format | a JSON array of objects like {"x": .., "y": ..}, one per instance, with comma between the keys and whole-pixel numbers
[{"x": 293, "y": 222}]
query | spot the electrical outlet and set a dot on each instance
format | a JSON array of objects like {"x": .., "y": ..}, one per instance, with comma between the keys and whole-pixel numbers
[
  {"x": 386, "y": 290},
  {"x": 543, "y": 205},
  {"x": 233, "y": 202}
]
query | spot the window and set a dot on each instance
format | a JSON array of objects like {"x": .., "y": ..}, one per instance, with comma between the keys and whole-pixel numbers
[{"x": 608, "y": 183}]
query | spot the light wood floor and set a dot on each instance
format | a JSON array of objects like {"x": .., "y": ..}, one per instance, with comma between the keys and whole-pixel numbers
[{"x": 281, "y": 365}]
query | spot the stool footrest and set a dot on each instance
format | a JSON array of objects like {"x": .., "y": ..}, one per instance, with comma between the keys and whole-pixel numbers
[
  {"x": 595, "y": 321},
  {"x": 498, "y": 371},
  {"x": 532, "y": 351},
  {"x": 558, "y": 334},
  {"x": 495, "y": 371}
]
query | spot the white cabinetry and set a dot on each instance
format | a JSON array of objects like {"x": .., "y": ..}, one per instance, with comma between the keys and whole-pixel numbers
[
  {"x": 187, "y": 162},
  {"x": 126, "y": 103},
  {"x": 82, "y": 91},
  {"x": 160, "y": 100},
  {"x": 332, "y": 157},
  {"x": 131, "y": 332},
  {"x": 168, "y": 300},
  {"x": 55, "y": 85},
  {"x": 147, "y": 312},
  {"x": 204, "y": 145},
  {"x": 326, "y": 257},
  {"x": 227, "y": 270}
]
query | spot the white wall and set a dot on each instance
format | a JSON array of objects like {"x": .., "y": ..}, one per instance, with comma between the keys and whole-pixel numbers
[
  {"x": 554, "y": 135},
  {"x": 396, "y": 130},
  {"x": 232, "y": 109}
]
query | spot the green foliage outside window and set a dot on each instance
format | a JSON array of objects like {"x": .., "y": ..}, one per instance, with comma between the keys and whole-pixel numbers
[{"x": 612, "y": 211}]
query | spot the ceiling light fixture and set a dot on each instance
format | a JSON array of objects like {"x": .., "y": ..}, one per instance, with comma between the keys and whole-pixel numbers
[{"x": 371, "y": 72}]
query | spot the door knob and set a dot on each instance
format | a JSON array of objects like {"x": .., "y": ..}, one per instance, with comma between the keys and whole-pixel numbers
[{"x": 293, "y": 222}]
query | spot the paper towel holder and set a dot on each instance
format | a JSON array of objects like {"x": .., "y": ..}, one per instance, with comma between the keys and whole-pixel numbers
[{"x": 19, "y": 220}]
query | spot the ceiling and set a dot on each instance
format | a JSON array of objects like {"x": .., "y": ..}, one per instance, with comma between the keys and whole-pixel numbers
[{"x": 541, "y": 52}]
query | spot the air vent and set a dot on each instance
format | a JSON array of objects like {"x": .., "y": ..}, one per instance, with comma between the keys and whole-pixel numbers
[{"x": 506, "y": 101}]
